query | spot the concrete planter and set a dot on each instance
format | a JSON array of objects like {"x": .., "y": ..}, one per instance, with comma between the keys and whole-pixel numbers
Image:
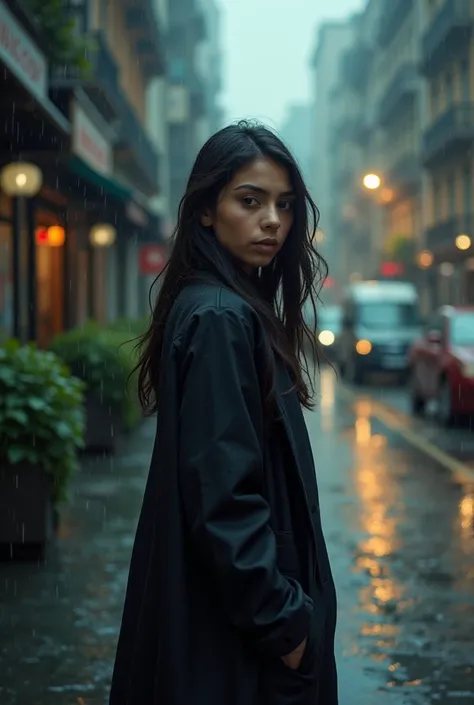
[
  {"x": 26, "y": 509},
  {"x": 104, "y": 424}
]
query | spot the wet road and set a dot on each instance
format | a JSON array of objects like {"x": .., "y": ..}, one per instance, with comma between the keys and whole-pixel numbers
[{"x": 399, "y": 520}]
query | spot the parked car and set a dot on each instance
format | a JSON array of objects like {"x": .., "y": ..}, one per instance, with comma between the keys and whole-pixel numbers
[
  {"x": 380, "y": 321},
  {"x": 442, "y": 364},
  {"x": 329, "y": 329}
]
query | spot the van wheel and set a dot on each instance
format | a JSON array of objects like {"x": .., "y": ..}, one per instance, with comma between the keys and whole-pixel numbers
[
  {"x": 417, "y": 402},
  {"x": 444, "y": 405}
]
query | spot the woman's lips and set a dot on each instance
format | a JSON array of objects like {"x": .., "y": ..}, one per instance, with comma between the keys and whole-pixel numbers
[{"x": 266, "y": 246}]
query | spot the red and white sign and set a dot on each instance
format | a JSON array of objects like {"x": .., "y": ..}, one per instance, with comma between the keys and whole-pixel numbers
[
  {"x": 21, "y": 55},
  {"x": 152, "y": 259},
  {"x": 89, "y": 143}
]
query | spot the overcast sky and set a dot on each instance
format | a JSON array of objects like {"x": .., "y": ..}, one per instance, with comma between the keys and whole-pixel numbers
[{"x": 267, "y": 45}]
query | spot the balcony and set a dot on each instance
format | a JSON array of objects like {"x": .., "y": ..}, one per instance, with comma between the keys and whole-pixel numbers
[
  {"x": 186, "y": 18},
  {"x": 448, "y": 34},
  {"x": 355, "y": 67},
  {"x": 100, "y": 81},
  {"x": 136, "y": 152},
  {"x": 142, "y": 21},
  {"x": 405, "y": 174},
  {"x": 450, "y": 135},
  {"x": 442, "y": 236},
  {"x": 399, "y": 94},
  {"x": 347, "y": 128},
  {"x": 391, "y": 19}
]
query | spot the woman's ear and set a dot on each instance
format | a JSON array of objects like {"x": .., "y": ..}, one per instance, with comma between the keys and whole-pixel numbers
[{"x": 207, "y": 219}]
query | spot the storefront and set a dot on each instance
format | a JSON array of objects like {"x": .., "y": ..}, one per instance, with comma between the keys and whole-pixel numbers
[
  {"x": 32, "y": 124},
  {"x": 69, "y": 231}
]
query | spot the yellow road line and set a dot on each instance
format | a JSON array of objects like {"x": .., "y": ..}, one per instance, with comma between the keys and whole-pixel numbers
[{"x": 394, "y": 421}]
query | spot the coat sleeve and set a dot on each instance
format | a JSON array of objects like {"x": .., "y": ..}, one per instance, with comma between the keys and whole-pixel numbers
[{"x": 220, "y": 466}]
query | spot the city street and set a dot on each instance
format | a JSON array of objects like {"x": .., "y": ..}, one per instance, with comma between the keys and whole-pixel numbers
[{"x": 397, "y": 499}]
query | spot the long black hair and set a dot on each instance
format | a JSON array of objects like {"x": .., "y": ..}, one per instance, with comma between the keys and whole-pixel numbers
[{"x": 277, "y": 295}]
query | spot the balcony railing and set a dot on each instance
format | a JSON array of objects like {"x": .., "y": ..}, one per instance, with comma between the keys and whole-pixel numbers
[
  {"x": 391, "y": 19},
  {"x": 399, "y": 93},
  {"x": 142, "y": 19},
  {"x": 450, "y": 134},
  {"x": 100, "y": 79},
  {"x": 132, "y": 137},
  {"x": 347, "y": 128},
  {"x": 442, "y": 236},
  {"x": 355, "y": 67},
  {"x": 448, "y": 32},
  {"x": 405, "y": 174}
]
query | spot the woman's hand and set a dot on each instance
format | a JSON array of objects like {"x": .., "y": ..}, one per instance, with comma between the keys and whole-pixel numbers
[{"x": 293, "y": 659}]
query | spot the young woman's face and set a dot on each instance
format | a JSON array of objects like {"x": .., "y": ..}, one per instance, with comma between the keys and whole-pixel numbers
[{"x": 254, "y": 213}]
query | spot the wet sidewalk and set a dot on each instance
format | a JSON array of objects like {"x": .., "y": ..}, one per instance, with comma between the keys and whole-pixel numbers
[
  {"x": 400, "y": 533},
  {"x": 59, "y": 620}
]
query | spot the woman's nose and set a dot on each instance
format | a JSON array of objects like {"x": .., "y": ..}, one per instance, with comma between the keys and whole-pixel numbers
[{"x": 271, "y": 219}]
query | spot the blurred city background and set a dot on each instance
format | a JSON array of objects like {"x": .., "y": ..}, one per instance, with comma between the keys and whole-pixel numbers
[{"x": 104, "y": 105}]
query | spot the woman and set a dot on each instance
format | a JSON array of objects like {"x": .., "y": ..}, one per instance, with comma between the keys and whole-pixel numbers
[{"x": 230, "y": 599}]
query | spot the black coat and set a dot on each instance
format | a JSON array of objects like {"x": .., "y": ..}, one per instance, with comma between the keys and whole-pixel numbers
[{"x": 229, "y": 568}]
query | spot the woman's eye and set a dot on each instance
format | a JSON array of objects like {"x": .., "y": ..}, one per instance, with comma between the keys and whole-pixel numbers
[
  {"x": 250, "y": 201},
  {"x": 286, "y": 205}
]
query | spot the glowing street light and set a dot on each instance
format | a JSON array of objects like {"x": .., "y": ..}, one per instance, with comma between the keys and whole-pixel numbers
[
  {"x": 102, "y": 235},
  {"x": 371, "y": 181},
  {"x": 21, "y": 179},
  {"x": 463, "y": 242},
  {"x": 425, "y": 259}
]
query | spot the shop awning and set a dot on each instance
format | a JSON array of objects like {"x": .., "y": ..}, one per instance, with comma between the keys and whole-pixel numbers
[{"x": 107, "y": 184}]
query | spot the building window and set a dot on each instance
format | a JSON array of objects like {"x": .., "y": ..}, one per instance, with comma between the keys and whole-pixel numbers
[
  {"x": 449, "y": 87},
  {"x": 434, "y": 97},
  {"x": 451, "y": 197},
  {"x": 467, "y": 188},
  {"x": 103, "y": 13},
  {"x": 465, "y": 82},
  {"x": 6, "y": 282},
  {"x": 437, "y": 201},
  {"x": 177, "y": 70}
]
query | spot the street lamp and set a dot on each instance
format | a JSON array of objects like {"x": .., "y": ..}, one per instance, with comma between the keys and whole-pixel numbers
[
  {"x": 425, "y": 259},
  {"x": 21, "y": 179},
  {"x": 463, "y": 242},
  {"x": 371, "y": 181},
  {"x": 102, "y": 235}
]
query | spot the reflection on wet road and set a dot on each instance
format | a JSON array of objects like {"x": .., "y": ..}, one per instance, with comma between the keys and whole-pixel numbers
[
  {"x": 401, "y": 536},
  {"x": 400, "y": 531}
]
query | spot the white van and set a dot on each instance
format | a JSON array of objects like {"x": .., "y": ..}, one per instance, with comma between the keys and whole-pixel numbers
[{"x": 380, "y": 321}]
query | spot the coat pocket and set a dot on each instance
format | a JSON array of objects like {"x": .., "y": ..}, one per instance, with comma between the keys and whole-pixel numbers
[
  {"x": 287, "y": 555},
  {"x": 285, "y": 686}
]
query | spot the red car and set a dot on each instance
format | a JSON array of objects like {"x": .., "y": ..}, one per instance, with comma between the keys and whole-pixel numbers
[{"x": 442, "y": 364}]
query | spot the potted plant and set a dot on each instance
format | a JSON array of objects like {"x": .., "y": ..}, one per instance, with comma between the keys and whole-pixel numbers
[
  {"x": 41, "y": 428},
  {"x": 103, "y": 359}
]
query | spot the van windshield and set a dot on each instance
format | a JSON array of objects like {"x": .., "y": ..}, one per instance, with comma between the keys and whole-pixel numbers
[{"x": 384, "y": 315}]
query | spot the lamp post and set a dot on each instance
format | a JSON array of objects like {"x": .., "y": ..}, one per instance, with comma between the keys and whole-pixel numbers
[
  {"x": 371, "y": 181},
  {"x": 21, "y": 181},
  {"x": 101, "y": 237}
]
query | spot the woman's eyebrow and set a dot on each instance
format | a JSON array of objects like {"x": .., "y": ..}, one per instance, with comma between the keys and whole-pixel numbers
[{"x": 259, "y": 189}]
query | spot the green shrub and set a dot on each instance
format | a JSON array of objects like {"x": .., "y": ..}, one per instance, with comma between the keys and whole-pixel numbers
[
  {"x": 104, "y": 358},
  {"x": 41, "y": 412}
]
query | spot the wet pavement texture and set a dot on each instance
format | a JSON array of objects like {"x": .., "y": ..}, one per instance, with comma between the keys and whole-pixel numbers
[
  {"x": 400, "y": 533},
  {"x": 457, "y": 441}
]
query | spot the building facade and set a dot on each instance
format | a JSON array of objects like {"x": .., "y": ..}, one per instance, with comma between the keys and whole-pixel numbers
[
  {"x": 332, "y": 40},
  {"x": 82, "y": 126},
  {"x": 447, "y": 63},
  {"x": 410, "y": 124},
  {"x": 194, "y": 84},
  {"x": 296, "y": 133}
]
